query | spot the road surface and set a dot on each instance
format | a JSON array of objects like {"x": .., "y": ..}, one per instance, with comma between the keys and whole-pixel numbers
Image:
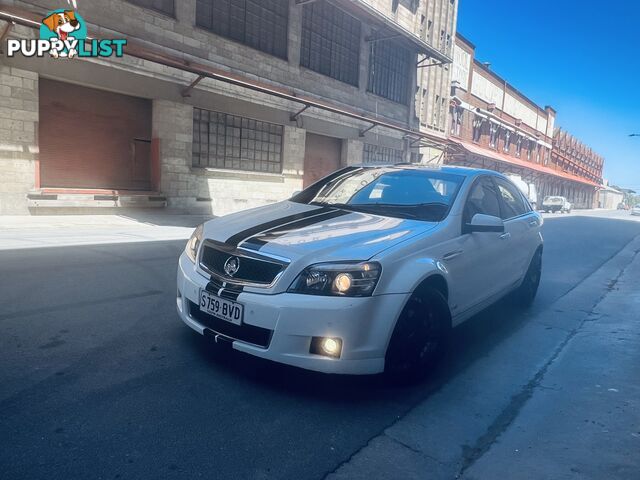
[{"x": 99, "y": 378}]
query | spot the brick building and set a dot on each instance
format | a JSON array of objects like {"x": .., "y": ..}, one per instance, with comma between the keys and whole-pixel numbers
[
  {"x": 219, "y": 105},
  {"x": 497, "y": 127},
  {"x": 572, "y": 156}
]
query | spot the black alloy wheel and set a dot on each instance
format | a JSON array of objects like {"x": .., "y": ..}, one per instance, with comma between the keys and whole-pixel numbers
[
  {"x": 420, "y": 336},
  {"x": 526, "y": 293}
]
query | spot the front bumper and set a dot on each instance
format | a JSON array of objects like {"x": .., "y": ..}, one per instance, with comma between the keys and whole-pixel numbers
[{"x": 365, "y": 324}]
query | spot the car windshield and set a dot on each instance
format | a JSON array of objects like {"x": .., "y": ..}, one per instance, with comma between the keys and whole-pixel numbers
[
  {"x": 553, "y": 199},
  {"x": 395, "y": 192}
]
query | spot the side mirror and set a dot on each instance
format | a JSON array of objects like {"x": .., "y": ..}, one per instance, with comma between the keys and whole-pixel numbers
[{"x": 484, "y": 223}]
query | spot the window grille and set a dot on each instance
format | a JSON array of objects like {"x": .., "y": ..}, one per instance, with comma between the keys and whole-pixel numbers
[
  {"x": 260, "y": 24},
  {"x": 390, "y": 71},
  {"x": 228, "y": 141},
  {"x": 164, "y": 6},
  {"x": 330, "y": 42},
  {"x": 382, "y": 155}
]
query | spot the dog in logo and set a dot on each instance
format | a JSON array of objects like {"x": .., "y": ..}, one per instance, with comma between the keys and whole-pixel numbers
[{"x": 62, "y": 24}]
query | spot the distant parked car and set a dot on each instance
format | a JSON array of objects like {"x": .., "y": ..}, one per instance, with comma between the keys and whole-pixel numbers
[
  {"x": 622, "y": 206},
  {"x": 635, "y": 210},
  {"x": 555, "y": 204}
]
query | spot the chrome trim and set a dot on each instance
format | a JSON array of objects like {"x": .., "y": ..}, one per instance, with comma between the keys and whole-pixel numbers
[{"x": 242, "y": 253}]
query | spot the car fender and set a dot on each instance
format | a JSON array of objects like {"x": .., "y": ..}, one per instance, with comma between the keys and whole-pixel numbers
[
  {"x": 412, "y": 283},
  {"x": 405, "y": 267}
]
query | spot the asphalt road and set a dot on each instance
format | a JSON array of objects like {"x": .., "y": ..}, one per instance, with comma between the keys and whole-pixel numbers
[{"x": 99, "y": 379}]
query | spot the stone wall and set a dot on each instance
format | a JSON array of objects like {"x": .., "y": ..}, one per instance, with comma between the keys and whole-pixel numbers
[
  {"x": 18, "y": 142},
  {"x": 187, "y": 188}
]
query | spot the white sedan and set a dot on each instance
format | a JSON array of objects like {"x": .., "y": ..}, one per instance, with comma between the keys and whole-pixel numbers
[{"x": 365, "y": 271}]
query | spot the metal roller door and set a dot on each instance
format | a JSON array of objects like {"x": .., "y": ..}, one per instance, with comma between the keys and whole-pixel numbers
[
  {"x": 321, "y": 157},
  {"x": 91, "y": 138}
]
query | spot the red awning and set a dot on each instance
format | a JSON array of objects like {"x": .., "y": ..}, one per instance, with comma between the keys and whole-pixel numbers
[{"x": 493, "y": 155}]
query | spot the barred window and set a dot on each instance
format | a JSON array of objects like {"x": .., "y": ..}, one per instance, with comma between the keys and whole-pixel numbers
[
  {"x": 507, "y": 141},
  {"x": 164, "y": 6},
  {"x": 518, "y": 145},
  {"x": 477, "y": 128},
  {"x": 330, "y": 42},
  {"x": 383, "y": 155},
  {"x": 221, "y": 140},
  {"x": 261, "y": 24},
  {"x": 494, "y": 135},
  {"x": 457, "y": 116},
  {"x": 390, "y": 71}
]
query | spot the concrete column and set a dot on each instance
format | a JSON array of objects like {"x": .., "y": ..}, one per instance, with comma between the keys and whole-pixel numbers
[
  {"x": 186, "y": 11},
  {"x": 293, "y": 148},
  {"x": 19, "y": 104},
  {"x": 365, "y": 53},
  {"x": 295, "y": 33},
  {"x": 172, "y": 125},
  {"x": 352, "y": 152}
]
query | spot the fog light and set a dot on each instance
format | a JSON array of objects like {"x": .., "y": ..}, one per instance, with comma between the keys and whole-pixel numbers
[
  {"x": 331, "y": 346},
  {"x": 327, "y": 347}
]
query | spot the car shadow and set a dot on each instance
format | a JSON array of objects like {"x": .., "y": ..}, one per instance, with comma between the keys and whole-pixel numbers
[{"x": 470, "y": 341}]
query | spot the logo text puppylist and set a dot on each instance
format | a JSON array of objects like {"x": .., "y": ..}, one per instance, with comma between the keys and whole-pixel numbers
[{"x": 63, "y": 34}]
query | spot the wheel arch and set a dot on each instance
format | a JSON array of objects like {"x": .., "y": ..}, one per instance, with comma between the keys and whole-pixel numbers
[{"x": 433, "y": 280}]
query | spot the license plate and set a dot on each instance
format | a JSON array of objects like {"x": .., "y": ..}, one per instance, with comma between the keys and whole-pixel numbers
[{"x": 221, "y": 307}]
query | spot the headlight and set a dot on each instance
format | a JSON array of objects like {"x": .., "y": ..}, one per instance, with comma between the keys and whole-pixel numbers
[
  {"x": 194, "y": 243},
  {"x": 339, "y": 279}
]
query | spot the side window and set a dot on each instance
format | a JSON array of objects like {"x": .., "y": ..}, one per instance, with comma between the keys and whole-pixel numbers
[
  {"x": 483, "y": 198},
  {"x": 513, "y": 204}
]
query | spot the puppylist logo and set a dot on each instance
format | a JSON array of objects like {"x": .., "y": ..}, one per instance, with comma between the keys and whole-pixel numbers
[{"x": 63, "y": 34}]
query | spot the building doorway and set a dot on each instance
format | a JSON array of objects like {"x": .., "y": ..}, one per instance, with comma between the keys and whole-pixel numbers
[
  {"x": 321, "y": 157},
  {"x": 93, "y": 139}
]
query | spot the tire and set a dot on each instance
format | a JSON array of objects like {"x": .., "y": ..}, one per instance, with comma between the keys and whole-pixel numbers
[
  {"x": 526, "y": 292},
  {"x": 420, "y": 337}
]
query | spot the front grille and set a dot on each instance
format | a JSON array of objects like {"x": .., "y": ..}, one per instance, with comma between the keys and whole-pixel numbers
[
  {"x": 253, "y": 270},
  {"x": 227, "y": 290},
  {"x": 247, "y": 333}
]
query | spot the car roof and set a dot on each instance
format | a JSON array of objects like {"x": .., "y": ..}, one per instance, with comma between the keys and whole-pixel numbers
[{"x": 457, "y": 170}]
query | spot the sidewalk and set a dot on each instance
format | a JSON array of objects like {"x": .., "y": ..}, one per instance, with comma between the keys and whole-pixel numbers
[
  {"x": 583, "y": 420},
  {"x": 559, "y": 400},
  {"x": 17, "y": 232}
]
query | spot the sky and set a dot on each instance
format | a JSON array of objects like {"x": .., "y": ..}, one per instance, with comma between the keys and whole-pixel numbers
[{"x": 580, "y": 57}]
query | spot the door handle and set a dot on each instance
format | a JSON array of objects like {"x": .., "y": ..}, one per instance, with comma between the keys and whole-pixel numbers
[
  {"x": 452, "y": 255},
  {"x": 505, "y": 236},
  {"x": 533, "y": 223}
]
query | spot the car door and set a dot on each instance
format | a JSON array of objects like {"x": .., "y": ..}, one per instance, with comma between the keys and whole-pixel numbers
[
  {"x": 476, "y": 271},
  {"x": 519, "y": 219}
]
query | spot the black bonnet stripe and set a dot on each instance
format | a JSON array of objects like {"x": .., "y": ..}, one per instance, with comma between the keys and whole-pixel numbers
[
  {"x": 257, "y": 242},
  {"x": 223, "y": 289},
  {"x": 250, "y": 232}
]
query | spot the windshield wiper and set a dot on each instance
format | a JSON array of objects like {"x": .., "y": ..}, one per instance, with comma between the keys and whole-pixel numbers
[{"x": 373, "y": 208}]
